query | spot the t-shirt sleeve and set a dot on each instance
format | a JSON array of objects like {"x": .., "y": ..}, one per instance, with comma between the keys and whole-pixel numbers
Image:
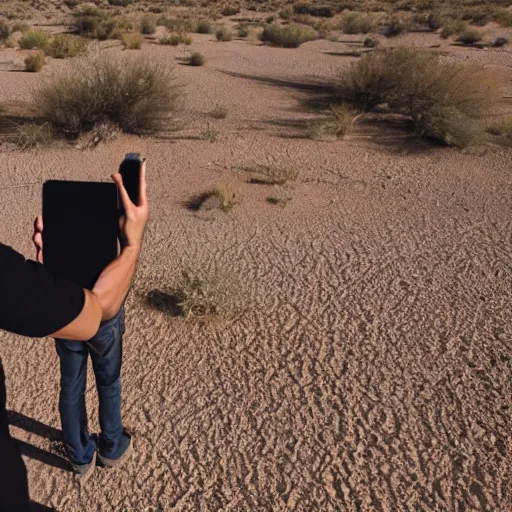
[{"x": 33, "y": 301}]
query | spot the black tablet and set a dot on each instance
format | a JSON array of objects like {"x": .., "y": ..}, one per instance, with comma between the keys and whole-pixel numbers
[{"x": 80, "y": 221}]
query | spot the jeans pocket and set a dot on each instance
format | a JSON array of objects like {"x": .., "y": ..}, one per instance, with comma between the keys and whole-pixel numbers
[{"x": 105, "y": 337}]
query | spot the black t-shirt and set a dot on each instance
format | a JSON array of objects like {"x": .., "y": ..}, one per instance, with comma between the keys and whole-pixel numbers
[{"x": 33, "y": 302}]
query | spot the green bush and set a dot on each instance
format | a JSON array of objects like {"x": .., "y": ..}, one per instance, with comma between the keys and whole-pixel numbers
[
  {"x": 35, "y": 39},
  {"x": 147, "y": 26},
  {"x": 469, "y": 36},
  {"x": 288, "y": 36},
  {"x": 196, "y": 59},
  {"x": 223, "y": 34},
  {"x": 64, "y": 46},
  {"x": 204, "y": 27},
  {"x": 440, "y": 97},
  {"x": 133, "y": 94},
  {"x": 356, "y": 23},
  {"x": 34, "y": 63},
  {"x": 176, "y": 39}
]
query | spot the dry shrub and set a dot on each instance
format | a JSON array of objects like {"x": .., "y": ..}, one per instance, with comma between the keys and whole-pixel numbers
[
  {"x": 469, "y": 36},
  {"x": 453, "y": 28},
  {"x": 243, "y": 30},
  {"x": 272, "y": 175},
  {"x": 356, "y": 23},
  {"x": 197, "y": 59},
  {"x": 203, "y": 294},
  {"x": 147, "y": 26},
  {"x": 218, "y": 198},
  {"x": 322, "y": 11},
  {"x": 204, "y": 27},
  {"x": 504, "y": 17},
  {"x": 35, "y": 39},
  {"x": 96, "y": 24},
  {"x": 338, "y": 123},
  {"x": 34, "y": 63},
  {"x": 176, "y": 39},
  {"x": 176, "y": 24},
  {"x": 223, "y": 34},
  {"x": 503, "y": 129},
  {"x": 134, "y": 94},
  {"x": 64, "y": 46},
  {"x": 288, "y": 36},
  {"x": 440, "y": 97},
  {"x": 220, "y": 112},
  {"x": 31, "y": 135},
  {"x": 499, "y": 42},
  {"x": 132, "y": 41},
  {"x": 4, "y": 31},
  {"x": 394, "y": 27},
  {"x": 370, "y": 42},
  {"x": 230, "y": 11}
]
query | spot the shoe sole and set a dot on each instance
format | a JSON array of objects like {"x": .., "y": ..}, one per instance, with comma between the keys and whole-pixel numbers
[
  {"x": 115, "y": 463},
  {"x": 83, "y": 477}
]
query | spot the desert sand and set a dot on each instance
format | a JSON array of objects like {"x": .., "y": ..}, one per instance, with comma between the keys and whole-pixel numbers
[{"x": 371, "y": 367}]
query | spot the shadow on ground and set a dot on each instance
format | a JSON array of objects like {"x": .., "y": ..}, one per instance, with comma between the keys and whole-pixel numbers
[
  {"x": 164, "y": 302},
  {"x": 19, "y": 420}
]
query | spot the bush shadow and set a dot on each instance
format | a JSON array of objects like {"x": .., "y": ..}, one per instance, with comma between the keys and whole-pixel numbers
[{"x": 164, "y": 302}]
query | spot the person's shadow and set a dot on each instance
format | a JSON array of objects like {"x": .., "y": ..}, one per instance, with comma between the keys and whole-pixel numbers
[{"x": 19, "y": 420}]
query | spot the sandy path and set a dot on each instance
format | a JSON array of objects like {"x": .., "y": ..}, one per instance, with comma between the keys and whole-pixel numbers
[{"x": 372, "y": 370}]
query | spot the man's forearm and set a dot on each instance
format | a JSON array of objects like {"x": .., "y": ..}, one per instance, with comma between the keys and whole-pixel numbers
[{"x": 113, "y": 283}]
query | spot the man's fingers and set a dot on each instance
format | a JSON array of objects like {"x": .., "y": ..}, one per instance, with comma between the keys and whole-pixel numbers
[
  {"x": 38, "y": 242},
  {"x": 125, "y": 198},
  {"x": 39, "y": 223},
  {"x": 143, "y": 198}
]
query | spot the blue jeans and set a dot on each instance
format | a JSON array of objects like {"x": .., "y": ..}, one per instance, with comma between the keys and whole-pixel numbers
[{"x": 105, "y": 350}]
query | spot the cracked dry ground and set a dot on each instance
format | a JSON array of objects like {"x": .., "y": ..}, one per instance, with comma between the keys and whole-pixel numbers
[{"x": 370, "y": 370}]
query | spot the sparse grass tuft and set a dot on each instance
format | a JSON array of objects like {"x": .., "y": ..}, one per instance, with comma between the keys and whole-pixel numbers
[
  {"x": 223, "y": 34},
  {"x": 338, "y": 124},
  {"x": 197, "y": 59},
  {"x": 203, "y": 294},
  {"x": 356, "y": 23},
  {"x": 441, "y": 98},
  {"x": 63, "y": 46},
  {"x": 210, "y": 133},
  {"x": 133, "y": 94},
  {"x": 272, "y": 175},
  {"x": 132, "y": 41},
  {"x": 36, "y": 38},
  {"x": 220, "y": 112},
  {"x": 288, "y": 36},
  {"x": 469, "y": 36},
  {"x": 147, "y": 26},
  {"x": 176, "y": 39},
  {"x": 176, "y": 24},
  {"x": 503, "y": 129},
  {"x": 31, "y": 135},
  {"x": 34, "y": 63},
  {"x": 453, "y": 29},
  {"x": 204, "y": 27}
]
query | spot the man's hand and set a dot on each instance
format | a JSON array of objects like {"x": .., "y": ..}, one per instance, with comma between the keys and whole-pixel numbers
[
  {"x": 37, "y": 238},
  {"x": 133, "y": 222}
]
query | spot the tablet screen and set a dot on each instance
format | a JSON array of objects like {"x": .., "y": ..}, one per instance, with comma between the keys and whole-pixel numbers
[{"x": 80, "y": 232}]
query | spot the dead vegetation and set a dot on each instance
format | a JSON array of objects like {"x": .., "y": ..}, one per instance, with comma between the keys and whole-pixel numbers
[
  {"x": 288, "y": 36},
  {"x": 203, "y": 294},
  {"x": 133, "y": 94},
  {"x": 443, "y": 99},
  {"x": 218, "y": 198},
  {"x": 271, "y": 175}
]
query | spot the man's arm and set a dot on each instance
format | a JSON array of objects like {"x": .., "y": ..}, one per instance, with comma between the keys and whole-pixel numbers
[{"x": 109, "y": 292}]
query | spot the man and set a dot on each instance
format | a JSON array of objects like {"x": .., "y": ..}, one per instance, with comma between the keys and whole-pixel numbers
[{"x": 37, "y": 303}]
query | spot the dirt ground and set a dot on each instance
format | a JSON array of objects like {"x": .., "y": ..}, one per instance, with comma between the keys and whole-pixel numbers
[{"x": 371, "y": 370}]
